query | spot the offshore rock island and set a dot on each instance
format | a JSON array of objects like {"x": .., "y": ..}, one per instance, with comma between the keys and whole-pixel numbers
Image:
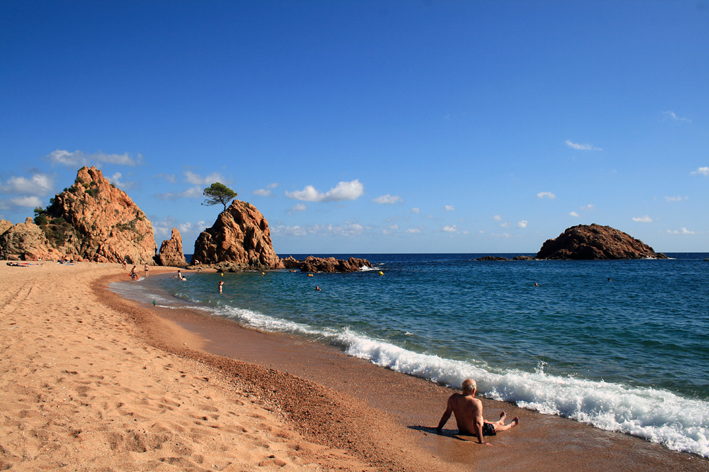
[
  {"x": 596, "y": 242},
  {"x": 328, "y": 264}
]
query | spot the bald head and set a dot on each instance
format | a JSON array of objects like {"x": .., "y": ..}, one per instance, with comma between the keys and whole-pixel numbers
[{"x": 469, "y": 386}]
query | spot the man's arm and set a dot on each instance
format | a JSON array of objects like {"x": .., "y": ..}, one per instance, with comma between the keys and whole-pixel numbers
[
  {"x": 478, "y": 422},
  {"x": 479, "y": 429},
  {"x": 446, "y": 415}
]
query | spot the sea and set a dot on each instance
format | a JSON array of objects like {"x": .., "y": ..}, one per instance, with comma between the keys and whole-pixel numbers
[{"x": 620, "y": 345}]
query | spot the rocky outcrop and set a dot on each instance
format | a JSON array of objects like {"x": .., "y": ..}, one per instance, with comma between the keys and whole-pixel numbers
[
  {"x": 91, "y": 220},
  {"x": 26, "y": 241},
  {"x": 596, "y": 242},
  {"x": 171, "y": 251},
  {"x": 329, "y": 264},
  {"x": 241, "y": 236},
  {"x": 4, "y": 226},
  {"x": 492, "y": 258}
]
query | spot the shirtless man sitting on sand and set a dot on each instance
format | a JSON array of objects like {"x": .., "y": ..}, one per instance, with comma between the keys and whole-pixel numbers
[{"x": 469, "y": 414}]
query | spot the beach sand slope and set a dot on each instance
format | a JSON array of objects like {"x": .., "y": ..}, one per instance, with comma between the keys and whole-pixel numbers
[{"x": 79, "y": 390}]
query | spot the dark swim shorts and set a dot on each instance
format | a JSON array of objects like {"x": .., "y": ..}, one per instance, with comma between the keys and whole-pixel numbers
[{"x": 489, "y": 430}]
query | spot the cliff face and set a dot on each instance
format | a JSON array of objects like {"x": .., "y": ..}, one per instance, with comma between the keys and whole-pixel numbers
[
  {"x": 239, "y": 235},
  {"x": 91, "y": 220},
  {"x": 171, "y": 251},
  {"x": 596, "y": 242}
]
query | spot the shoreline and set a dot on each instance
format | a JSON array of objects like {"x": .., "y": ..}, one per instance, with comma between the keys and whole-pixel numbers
[
  {"x": 415, "y": 406},
  {"x": 98, "y": 381}
]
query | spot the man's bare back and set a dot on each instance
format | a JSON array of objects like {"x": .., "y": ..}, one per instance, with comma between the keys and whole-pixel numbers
[{"x": 469, "y": 414}]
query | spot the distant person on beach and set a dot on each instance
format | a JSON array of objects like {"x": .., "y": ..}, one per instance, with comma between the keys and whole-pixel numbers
[
  {"x": 124, "y": 264},
  {"x": 178, "y": 276},
  {"x": 469, "y": 415},
  {"x": 133, "y": 274},
  {"x": 221, "y": 284},
  {"x": 146, "y": 270}
]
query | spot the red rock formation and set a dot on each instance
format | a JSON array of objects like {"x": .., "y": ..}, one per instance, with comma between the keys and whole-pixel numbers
[
  {"x": 171, "y": 251},
  {"x": 91, "y": 220},
  {"x": 107, "y": 225},
  {"x": 4, "y": 226},
  {"x": 330, "y": 264},
  {"x": 239, "y": 235},
  {"x": 26, "y": 241},
  {"x": 596, "y": 242}
]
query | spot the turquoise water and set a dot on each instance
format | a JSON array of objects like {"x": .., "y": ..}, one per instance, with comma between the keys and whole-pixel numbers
[{"x": 622, "y": 345}]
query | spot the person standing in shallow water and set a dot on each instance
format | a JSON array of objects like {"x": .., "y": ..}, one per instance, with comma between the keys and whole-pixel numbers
[
  {"x": 469, "y": 415},
  {"x": 221, "y": 284}
]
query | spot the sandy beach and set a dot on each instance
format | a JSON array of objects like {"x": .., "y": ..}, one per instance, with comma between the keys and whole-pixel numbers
[{"x": 91, "y": 381}]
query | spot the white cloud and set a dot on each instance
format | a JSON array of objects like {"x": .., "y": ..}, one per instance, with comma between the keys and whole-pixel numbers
[
  {"x": 574, "y": 214},
  {"x": 497, "y": 218},
  {"x": 588, "y": 207},
  {"x": 643, "y": 219},
  {"x": 169, "y": 177},
  {"x": 120, "y": 159},
  {"x": 413, "y": 230},
  {"x": 38, "y": 184},
  {"x": 29, "y": 201},
  {"x": 79, "y": 158},
  {"x": 548, "y": 195},
  {"x": 670, "y": 115},
  {"x": 343, "y": 191},
  {"x": 701, "y": 171},
  {"x": 273, "y": 185},
  {"x": 415, "y": 210},
  {"x": 582, "y": 147},
  {"x": 676, "y": 199},
  {"x": 450, "y": 208},
  {"x": 390, "y": 229},
  {"x": 195, "y": 179},
  {"x": 192, "y": 192},
  {"x": 299, "y": 207},
  {"x": 349, "y": 229},
  {"x": 67, "y": 158},
  {"x": 449, "y": 229},
  {"x": 384, "y": 199},
  {"x": 263, "y": 192},
  {"x": 681, "y": 231},
  {"x": 189, "y": 231},
  {"x": 522, "y": 224},
  {"x": 115, "y": 179},
  {"x": 505, "y": 224}
]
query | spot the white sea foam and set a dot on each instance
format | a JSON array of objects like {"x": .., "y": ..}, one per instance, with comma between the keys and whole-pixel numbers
[{"x": 660, "y": 416}]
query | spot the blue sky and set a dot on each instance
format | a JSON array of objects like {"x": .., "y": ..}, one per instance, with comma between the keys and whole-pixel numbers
[{"x": 355, "y": 127}]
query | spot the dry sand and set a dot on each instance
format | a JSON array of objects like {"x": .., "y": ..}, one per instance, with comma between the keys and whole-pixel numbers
[{"x": 93, "y": 382}]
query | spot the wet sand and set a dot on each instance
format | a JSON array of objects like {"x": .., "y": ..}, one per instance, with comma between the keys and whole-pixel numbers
[{"x": 92, "y": 381}]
